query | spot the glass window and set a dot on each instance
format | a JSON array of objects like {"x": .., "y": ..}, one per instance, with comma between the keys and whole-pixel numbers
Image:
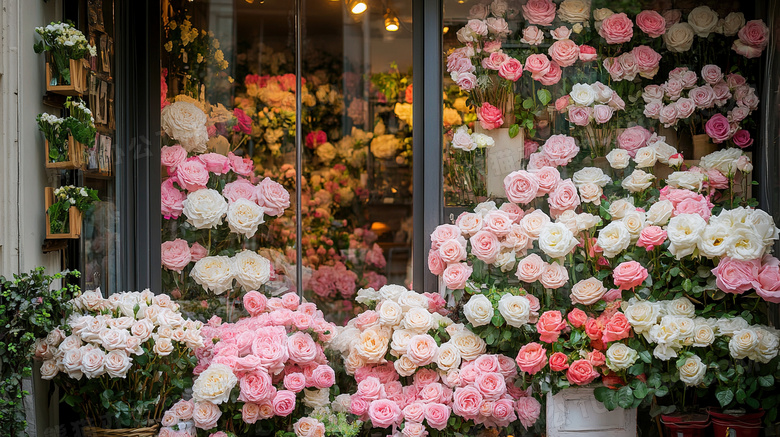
[{"x": 236, "y": 122}]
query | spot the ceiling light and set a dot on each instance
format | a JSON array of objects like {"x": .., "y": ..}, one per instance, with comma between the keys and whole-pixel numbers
[
  {"x": 391, "y": 21},
  {"x": 445, "y": 29},
  {"x": 357, "y": 6}
]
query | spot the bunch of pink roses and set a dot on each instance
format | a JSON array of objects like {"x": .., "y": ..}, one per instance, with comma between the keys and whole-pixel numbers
[
  {"x": 642, "y": 60},
  {"x": 260, "y": 367}
]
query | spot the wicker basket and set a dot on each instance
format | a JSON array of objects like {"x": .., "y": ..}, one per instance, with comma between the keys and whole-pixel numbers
[{"x": 93, "y": 431}]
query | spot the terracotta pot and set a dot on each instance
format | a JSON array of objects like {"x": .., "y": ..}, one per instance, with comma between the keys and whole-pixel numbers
[
  {"x": 703, "y": 146},
  {"x": 737, "y": 425},
  {"x": 685, "y": 425}
]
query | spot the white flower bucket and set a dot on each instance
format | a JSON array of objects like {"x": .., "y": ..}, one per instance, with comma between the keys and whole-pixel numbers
[{"x": 576, "y": 412}]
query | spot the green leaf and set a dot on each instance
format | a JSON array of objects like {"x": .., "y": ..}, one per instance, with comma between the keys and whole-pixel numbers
[
  {"x": 641, "y": 391},
  {"x": 645, "y": 356},
  {"x": 625, "y": 397},
  {"x": 662, "y": 391},
  {"x": 607, "y": 397},
  {"x": 687, "y": 285},
  {"x": 724, "y": 397},
  {"x": 766, "y": 381},
  {"x": 741, "y": 395},
  {"x": 544, "y": 96},
  {"x": 528, "y": 103},
  {"x": 514, "y": 130}
]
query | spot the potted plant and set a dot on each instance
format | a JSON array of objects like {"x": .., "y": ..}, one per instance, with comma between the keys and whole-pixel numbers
[
  {"x": 64, "y": 207},
  {"x": 65, "y": 137},
  {"x": 66, "y": 49},
  {"x": 122, "y": 361},
  {"x": 30, "y": 308}
]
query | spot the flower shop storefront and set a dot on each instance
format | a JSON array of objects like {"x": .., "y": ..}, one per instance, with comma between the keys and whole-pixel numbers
[{"x": 402, "y": 217}]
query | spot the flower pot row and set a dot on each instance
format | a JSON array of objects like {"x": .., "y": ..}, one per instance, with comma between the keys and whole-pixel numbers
[{"x": 722, "y": 424}]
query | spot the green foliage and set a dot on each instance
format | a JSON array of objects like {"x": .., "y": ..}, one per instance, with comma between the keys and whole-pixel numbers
[
  {"x": 65, "y": 197},
  {"x": 29, "y": 309}
]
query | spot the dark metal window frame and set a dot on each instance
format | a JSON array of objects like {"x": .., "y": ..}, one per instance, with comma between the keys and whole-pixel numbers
[{"x": 138, "y": 134}]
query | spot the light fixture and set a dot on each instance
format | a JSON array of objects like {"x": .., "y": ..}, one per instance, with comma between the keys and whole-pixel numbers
[
  {"x": 445, "y": 29},
  {"x": 357, "y": 6},
  {"x": 391, "y": 21}
]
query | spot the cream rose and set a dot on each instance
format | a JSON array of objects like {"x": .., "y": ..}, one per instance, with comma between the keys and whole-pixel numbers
[
  {"x": 743, "y": 343},
  {"x": 186, "y": 123},
  {"x": 583, "y": 94},
  {"x": 390, "y": 313},
  {"x": 251, "y": 270},
  {"x": 418, "y": 320},
  {"x": 533, "y": 223},
  {"x": 638, "y": 180},
  {"x": 590, "y": 175},
  {"x": 516, "y": 310},
  {"x": 205, "y": 208},
  {"x": 620, "y": 356},
  {"x": 117, "y": 364},
  {"x": 680, "y": 307},
  {"x": 404, "y": 366},
  {"x": 244, "y": 216},
  {"x": 635, "y": 222},
  {"x": 683, "y": 232},
  {"x": 214, "y": 384},
  {"x": 469, "y": 344},
  {"x": 663, "y": 151},
  {"x": 767, "y": 347},
  {"x": 401, "y": 338},
  {"x": 679, "y": 37},
  {"x": 642, "y": 316},
  {"x": 614, "y": 238},
  {"x": 703, "y": 335},
  {"x": 49, "y": 369},
  {"x": 163, "y": 346},
  {"x": 448, "y": 357},
  {"x": 556, "y": 240},
  {"x": 659, "y": 213},
  {"x": 645, "y": 157},
  {"x": 686, "y": 180},
  {"x": 478, "y": 310},
  {"x": 703, "y": 20},
  {"x": 422, "y": 350},
  {"x": 316, "y": 398},
  {"x": 574, "y": 11},
  {"x": 591, "y": 193},
  {"x": 372, "y": 345},
  {"x": 618, "y": 158},
  {"x": 214, "y": 273},
  {"x": 588, "y": 291},
  {"x": 732, "y": 23},
  {"x": 692, "y": 371}
]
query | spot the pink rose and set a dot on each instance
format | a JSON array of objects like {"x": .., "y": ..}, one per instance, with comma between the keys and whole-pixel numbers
[
  {"x": 722, "y": 93},
  {"x": 215, "y": 163},
  {"x": 735, "y": 276},
  {"x": 531, "y": 358},
  {"x": 490, "y": 117},
  {"x": 742, "y": 138},
  {"x": 617, "y": 29},
  {"x": 653, "y": 109},
  {"x": 563, "y": 198},
  {"x": 358, "y": 406},
  {"x": 703, "y": 96},
  {"x": 384, "y": 413},
  {"x": 460, "y": 64},
  {"x": 579, "y": 115},
  {"x": 548, "y": 179},
  {"x": 532, "y": 35},
  {"x": 503, "y": 412},
  {"x": 301, "y": 347},
  {"x": 552, "y": 76},
  {"x": 700, "y": 206},
  {"x": 295, "y": 382},
  {"x": 530, "y": 147},
  {"x": 647, "y": 61},
  {"x": 769, "y": 283},
  {"x": 581, "y": 372},
  {"x": 549, "y": 326},
  {"x": 192, "y": 175},
  {"x": 718, "y": 128},
  {"x": 514, "y": 212},
  {"x": 456, "y": 275},
  {"x": 521, "y": 186},
  {"x": 241, "y": 166},
  {"x": 437, "y": 415},
  {"x": 651, "y": 23},
  {"x": 494, "y": 61},
  {"x": 530, "y": 268},
  {"x": 489, "y": 47},
  {"x": 711, "y": 74},
  {"x": 172, "y": 200},
  {"x": 485, "y": 246},
  {"x": 452, "y": 251},
  {"x": 477, "y": 27},
  {"x": 498, "y": 26},
  {"x": 198, "y": 252},
  {"x": 597, "y": 358},
  {"x": 528, "y": 410},
  {"x": 538, "y": 65},
  {"x": 370, "y": 389},
  {"x": 444, "y": 233},
  {"x": 183, "y": 409},
  {"x": 323, "y": 376},
  {"x": 629, "y": 274},
  {"x": 176, "y": 255},
  {"x": 561, "y": 33},
  {"x": 602, "y": 113},
  {"x": 651, "y": 237},
  {"x": 284, "y": 403},
  {"x": 240, "y": 189},
  {"x": 256, "y": 387},
  {"x": 541, "y": 12},
  {"x": 273, "y": 197},
  {"x": 560, "y": 150},
  {"x": 498, "y": 223},
  {"x": 561, "y": 103},
  {"x": 668, "y": 115},
  {"x": 414, "y": 412},
  {"x": 491, "y": 385},
  {"x": 672, "y": 17},
  {"x": 511, "y": 69},
  {"x": 588, "y": 53},
  {"x": 673, "y": 88},
  {"x": 435, "y": 264},
  {"x": 565, "y": 52},
  {"x": 559, "y": 361},
  {"x": 172, "y": 156},
  {"x": 617, "y": 328},
  {"x": 685, "y": 108},
  {"x": 577, "y": 317},
  {"x": 628, "y": 65},
  {"x": 755, "y": 34},
  {"x": 205, "y": 415},
  {"x": 633, "y": 139},
  {"x": 250, "y": 412}
]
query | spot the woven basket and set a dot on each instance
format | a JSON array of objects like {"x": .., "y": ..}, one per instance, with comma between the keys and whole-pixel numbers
[{"x": 93, "y": 431}]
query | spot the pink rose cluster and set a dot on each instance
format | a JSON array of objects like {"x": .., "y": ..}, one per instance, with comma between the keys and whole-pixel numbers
[
  {"x": 598, "y": 106},
  {"x": 752, "y": 39},
  {"x": 333, "y": 281},
  {"x": 738, "y": 276},
  {"x": 178, "y": 254},
  {"x": 543, "y": 69},
  {"x": 642, "y": 60},
  {"x": 689, "y": 202},
  {"x": 557, "y": 151},
  {"x": 274, "y": 354}
]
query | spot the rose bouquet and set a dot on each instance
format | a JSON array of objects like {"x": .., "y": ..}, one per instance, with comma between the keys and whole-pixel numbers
[
  {"x": 129, "y": 356},
  {"x": 416, "y": 368},
  {"x": 63, "y": 42},
  {"x": 259, "y": 372},
  {"x": 592, "y": 107}
]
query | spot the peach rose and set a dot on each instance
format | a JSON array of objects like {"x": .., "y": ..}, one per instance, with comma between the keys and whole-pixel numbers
[
  {"x": 530, "y": 268},
  {"x": 581, "y": 372},
  {"x": 617, "y": 29},
  {"x": 550, "y": 325},
  {"x": 456, "y": 275},
  {"x": 565, "y": 52},
  {"x": 559, "y": 361},
  {"x": 652, "y": 23},
  {"x": 531, "y": 358},
  {"x": 540, "y": 12},
  {"x": 587, "y": 291},
  {"x": 538, "y": 65}
]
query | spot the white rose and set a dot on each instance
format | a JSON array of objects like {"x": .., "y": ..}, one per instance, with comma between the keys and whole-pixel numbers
[
  {"x": 745, "y": 244},
  {"x": 341, "y": 403},
  {"x": 588, "y": 291},
  {"x": 91, "y": 300},
  {"x": 614, "y": 238},
  {"x": 642, "y": 316},
  {"x": 516, "y": 310},
  {"x": 448, "y": 357},
  {"x": 469, "y": 344},
  {"x": 679, "y": 37},
  {"x": 683, "y": 232},
  {"x": 729, "y": 326},
  {"x": 49, "y": 369},
  {"x": 743, "y": 343},
  {"x": 214, "y": 273},
  {"x": 620, "y": 207},
  {"x": 764, "y": 225},
  {"x": 400, "y": 342},
  {"x": 638, "y": 180},
  {"x": 703, "y": 335},
  {"x": 659, "y": 213},
  {"x": 620, "y": 356},
  {"x": 391, "y": 291},
  {"x": 244, "y": 216},
  {"x": 205, "y": 208},
  {"x": 556, "y": 240},
  {"x": 163, "y": 346},
  {"x": 703, "y": 20},
  {"x": 186, "y": 123},
  {"x": 692, "y": 371},
  {"x": 586, "y": 221},
  {"x": 411, "y": 299},
  {"x": 483, "y": 141},
  {"x": 733, "y": 22},
  {"x": 404, "y": 366},
  {"x": 635, "y": 222},
  {"x": 478, "y": 310},
  {"x": 618, "y": 159},
  {"x": 767, "y": 347},
  {"x": 645, "y": 157},
  {"x": 418, "y": 319},
  {"x": 583, "y": 94},
  {"x": 590, "y": 175},
  {"x": 663, "y": 151},
  {"x": 316, "y": 398},
  {"x": 725, "y": 160},
  {"x": 366, "y": 295},
  {"x": 713, "y": 241},
  {"x": 71, "y": 363},
  {"x": 214, "y": 384},
  {"x": 251, "y": 270},
  {"x": 390, "y": 313},
  {"x": 92, "y": 363},
  {"x": 680, "y": 307},
  {"x": 574, "y": 11},
  {"x": 112, "y": 339},
  {"x": 118, "y": 363}
]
